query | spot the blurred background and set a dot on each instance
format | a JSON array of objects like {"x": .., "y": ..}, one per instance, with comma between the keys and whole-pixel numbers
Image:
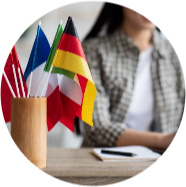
[{"x": 83, "y": 14}]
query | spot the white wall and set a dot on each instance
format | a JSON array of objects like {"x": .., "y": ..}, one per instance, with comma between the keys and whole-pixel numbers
[{"x": 84, "y": 15}]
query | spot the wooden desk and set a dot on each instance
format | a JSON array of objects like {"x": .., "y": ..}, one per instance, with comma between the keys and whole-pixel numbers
[{"x": 79, "y": 166}]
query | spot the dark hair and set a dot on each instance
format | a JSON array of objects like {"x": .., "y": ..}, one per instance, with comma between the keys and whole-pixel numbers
[{"x": 110, "y": 16}]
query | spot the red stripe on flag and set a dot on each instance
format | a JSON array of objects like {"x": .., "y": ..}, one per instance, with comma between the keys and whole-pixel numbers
[
  {"x": 69, "y": 112},
  {"x": 6, "y": 96},
  {"x": 12, "y": 59},
  {"x": 8, "y": 62},
  {"x": 54, "y": 108},
  {"x": 71, "y": 44},
  {"x": 83, "y": 83},
  {"x": 15, "y": 59}
]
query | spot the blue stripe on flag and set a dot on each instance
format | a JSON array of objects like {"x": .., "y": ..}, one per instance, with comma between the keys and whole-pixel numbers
[{"x": 39, "y": 53}]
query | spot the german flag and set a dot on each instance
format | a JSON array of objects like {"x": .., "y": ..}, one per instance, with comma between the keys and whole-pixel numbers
[{"x": 71, "y": 61}]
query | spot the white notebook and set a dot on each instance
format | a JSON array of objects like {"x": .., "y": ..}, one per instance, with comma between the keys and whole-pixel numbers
[{"x": 140, "y": 153}]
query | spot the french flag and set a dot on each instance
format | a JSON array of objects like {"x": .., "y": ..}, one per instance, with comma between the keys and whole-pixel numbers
[
  {"x": 35, "y": 77},
  {"x": 36, "y": 62}
]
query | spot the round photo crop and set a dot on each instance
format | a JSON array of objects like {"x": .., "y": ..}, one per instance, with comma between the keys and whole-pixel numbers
[{"x": 93, "y": 93}]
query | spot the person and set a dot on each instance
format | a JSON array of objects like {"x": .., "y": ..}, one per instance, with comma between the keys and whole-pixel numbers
[{"x": 139, "y": 81}]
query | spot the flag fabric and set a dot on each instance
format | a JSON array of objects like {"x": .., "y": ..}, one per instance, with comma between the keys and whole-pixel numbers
[
  {"x": 71, "y": 97},
  {"x": 70, "y": 93},
  {"x": 6, "y": 94},
  {"x": 77, "y": 88},
  {"x": 37, "y": 60},
  {"x": 40, "y": 59},
  {"x": 54, "y": 107},
  {"x": 54, "y": 47}
]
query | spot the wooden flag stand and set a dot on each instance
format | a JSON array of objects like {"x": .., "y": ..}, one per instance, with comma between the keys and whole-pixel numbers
[{"x": 29, "y": 128}]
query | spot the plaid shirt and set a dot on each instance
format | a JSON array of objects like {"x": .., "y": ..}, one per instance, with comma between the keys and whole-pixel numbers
[{"x": 113, "y": 63}]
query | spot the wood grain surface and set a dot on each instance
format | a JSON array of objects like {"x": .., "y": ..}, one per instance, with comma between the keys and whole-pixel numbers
[
  {"x": 79, "y": 166},
  {"x": 28, "y": 128}
]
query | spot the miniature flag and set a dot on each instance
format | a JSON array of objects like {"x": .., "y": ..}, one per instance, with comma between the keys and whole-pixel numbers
[
  {"x": 36, "y": 63},
  {"x": 77, "y": 88},
  {"x": 6, "y": 94},
  {"x": 54, "y": 107},
  {"x": 70, "y": 94}
]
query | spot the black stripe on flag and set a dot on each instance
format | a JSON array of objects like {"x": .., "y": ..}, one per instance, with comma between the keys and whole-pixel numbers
[{"x": 70, "y": 28}]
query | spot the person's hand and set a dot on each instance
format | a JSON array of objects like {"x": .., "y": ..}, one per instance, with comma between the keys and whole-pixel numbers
[{"x": 165, "y": 140}]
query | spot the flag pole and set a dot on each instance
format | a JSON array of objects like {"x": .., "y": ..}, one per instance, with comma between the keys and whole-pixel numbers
[
  {"x": 46, "y": 82},
  {"x": 31, "y": 74},
  {"x": 50, "y": 71},
  {"x": 15, "y": 78},
  {"x": 20, "y": 77},
  {"x": 9, "y": 85},
  {"x": 41, "y": 80},
  {"x": 29, "y": 86}
]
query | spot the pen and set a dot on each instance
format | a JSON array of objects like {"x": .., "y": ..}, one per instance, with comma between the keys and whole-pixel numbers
[{"x": 104, "y": 151}]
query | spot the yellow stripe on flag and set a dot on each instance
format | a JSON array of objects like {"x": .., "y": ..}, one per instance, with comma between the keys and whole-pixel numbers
[
  {"x": 88, "y": 103},
  {"x": 72, "y": 62}
]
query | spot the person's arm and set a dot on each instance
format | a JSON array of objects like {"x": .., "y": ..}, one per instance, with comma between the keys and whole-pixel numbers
[{"x": 153, "y": 140}]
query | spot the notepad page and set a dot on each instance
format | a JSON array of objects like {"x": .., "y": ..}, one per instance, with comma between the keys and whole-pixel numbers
[{"x": 140, "y": 151}]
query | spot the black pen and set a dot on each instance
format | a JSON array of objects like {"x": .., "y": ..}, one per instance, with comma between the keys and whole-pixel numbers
[{"x": 120, "y": 153}]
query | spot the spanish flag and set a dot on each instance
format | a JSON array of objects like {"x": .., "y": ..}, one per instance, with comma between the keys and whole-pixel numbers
[{"x": 70, "y": 61}]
